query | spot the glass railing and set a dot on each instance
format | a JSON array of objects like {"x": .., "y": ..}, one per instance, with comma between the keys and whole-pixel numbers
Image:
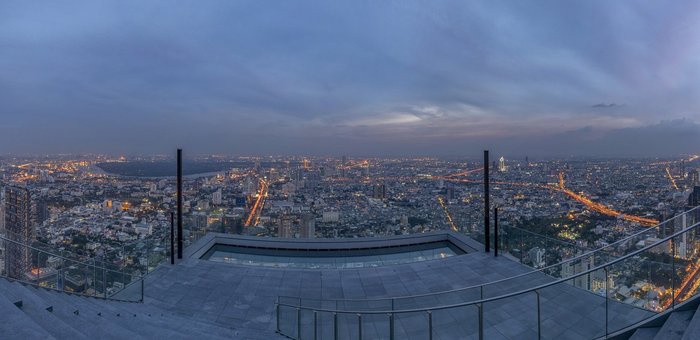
[
  {"x": 627, "y": 287},
  {"x": 110, "y": 276},
  {"x": 579, "y": 261}
]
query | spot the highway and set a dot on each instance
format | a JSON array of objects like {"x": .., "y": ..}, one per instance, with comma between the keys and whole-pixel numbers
[
  {"x": 447, "y": 213},
  {"x": 561, "y": 187},
  {"x": 254, "y": 215}
]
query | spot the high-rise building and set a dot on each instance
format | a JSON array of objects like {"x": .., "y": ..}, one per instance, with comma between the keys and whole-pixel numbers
[
  {"x": 343, "y": 166},
  {"x": 450, "y": 192},
  {"x": 284, "y": 226},
  {"x": 216, "y": 197},
  {"x": 694, "y": 197},
  {"x": 694, "y": 178},
  {"x": 232, "y": 224},
  {"x": 20, "y": 228},
  {"x": 308, "y": 226},
  {"x": 2, "y": 211},
  {"x": 379, "y": 191},
  {"x": 502, "y": 164}
]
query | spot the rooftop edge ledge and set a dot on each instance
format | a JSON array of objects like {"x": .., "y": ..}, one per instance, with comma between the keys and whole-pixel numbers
[{"x": 201, "y": 246}]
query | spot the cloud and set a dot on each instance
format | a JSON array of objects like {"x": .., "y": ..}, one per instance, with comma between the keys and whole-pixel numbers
[
  {"x": 142, "y": 77},
  {"x": 605, "y": 106}
]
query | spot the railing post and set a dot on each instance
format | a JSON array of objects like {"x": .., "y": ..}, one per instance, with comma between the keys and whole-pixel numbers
[
  {"x": 481, "y": 320},
  {"x": 359, "y": 326},
  {"x": 522, "y": 245},
  {"x": 179, "y": 203},
  {"x": 607, "y": 292},
  {"x": 392, "y": 304},
  {"x": 673, "y": 274},
  {"x": 335, "y": 325},
  {"x": 545, "y": 251},
  {"x": 142, "y": 284},
  {"x": 277, "y": 312},
  {"x": 539, "y": 323},
  {"x": 430, "y": 325},
  {"x": 104, "y": 279},
  {"x": 495, "y": 232},
  {"x": 148, "y": 256},
  {"x": 37, "y": 267},
  {"x": 94, "y": 278},
  {"x": 315, "y": 325},
  {"x": 391, "y": 326},
  {"x": 298, "y": 323},
  {"x": 487, "y": 208},
  {"x": 172, "y": 237}
]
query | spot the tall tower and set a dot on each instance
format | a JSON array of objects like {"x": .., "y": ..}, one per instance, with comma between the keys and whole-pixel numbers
[
  {"x": 502, "y": 164},
  {"x": 20, "y": 228}
]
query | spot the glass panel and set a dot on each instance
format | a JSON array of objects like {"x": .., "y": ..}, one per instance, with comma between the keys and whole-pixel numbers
[
  {"x": 456, "y": 323},
  {"x": 574, "y": 308},
  {"x": 411, "y": 325},
  {"x": 639, "y": 287},
  {"x": 513, "y": 317}
]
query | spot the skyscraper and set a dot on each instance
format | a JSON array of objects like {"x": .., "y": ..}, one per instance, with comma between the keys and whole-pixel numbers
[
  {"x": 694, "y": 197},
  {"x": 308, "y": 226},
  {"x": 216, "y": 197},
  {"x": 379, "y": 191},
  {"x": 20, "y": 228},
  {"x": 693, "y": 178},
  {"x": 284, "y": 226},
  {"x": 450, "y": 192},
  {"x": 502, "y": 164}
]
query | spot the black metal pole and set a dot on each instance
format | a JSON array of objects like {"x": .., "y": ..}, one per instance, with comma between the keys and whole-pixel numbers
[
  {"x": 172, "y": 238},
  {"x": 495, "y": 231},
  {"x": 487, "y": 210},
  {"x": 179, "y": 203}
]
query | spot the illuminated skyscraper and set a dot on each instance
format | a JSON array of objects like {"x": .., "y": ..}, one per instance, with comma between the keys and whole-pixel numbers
[
  {"x": 20, "y": 228},
  {"x": 502, "y": 164}
]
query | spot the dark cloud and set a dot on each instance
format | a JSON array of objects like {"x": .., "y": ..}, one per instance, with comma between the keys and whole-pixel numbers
[
  {"x": 605, "y": 106},
  {"x": 246, "y": 77}
]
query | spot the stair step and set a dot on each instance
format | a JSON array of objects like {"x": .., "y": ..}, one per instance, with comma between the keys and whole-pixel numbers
[
  {"x": 36, "y": 308},
  {"x": 675, "y": 326},
  {"x": 18, "y": 325},
  {"x": 692, "y": 332},
  {"x": 86, "y": 320},
  {"x": 645, "y": 333}
]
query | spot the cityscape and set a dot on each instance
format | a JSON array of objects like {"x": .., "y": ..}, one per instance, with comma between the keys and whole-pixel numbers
[
  {"x": 350, "y": 170},
  {"x": 95, "y": 207}
]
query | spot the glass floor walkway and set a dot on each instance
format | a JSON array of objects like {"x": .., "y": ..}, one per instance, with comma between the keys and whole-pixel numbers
[{"x": 352, "y": 258}]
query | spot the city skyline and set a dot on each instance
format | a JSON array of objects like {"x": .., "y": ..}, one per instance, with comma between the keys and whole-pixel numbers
[{"x": 358, "y": 78}]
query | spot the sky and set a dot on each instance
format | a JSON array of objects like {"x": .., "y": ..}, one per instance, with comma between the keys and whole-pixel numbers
[{"x": 365, "y": 78}]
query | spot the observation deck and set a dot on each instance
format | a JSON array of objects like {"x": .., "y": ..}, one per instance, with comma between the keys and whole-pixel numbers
[{"x": 411, "y": 294}]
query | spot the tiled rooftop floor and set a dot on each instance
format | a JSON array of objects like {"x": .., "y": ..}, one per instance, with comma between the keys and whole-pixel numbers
[{"x": 244, "y": 297}]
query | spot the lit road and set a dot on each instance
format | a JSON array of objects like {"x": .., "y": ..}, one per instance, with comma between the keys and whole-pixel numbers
[
  {"x": 673, "y": 181},
  {"x": 690, "y": 284},
  {"x": 253, "y": 217},
  {"x": 603, "y": 209},
  {"x": 595, "y": 206},
  {"x": 447, "y": 213}
]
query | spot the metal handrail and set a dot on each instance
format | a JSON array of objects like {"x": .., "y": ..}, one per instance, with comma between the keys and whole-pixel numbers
[
  {"x": 584, "y": 255},
  {"x": 59, "y": 256},
  {"x": 501, "y": 297},
  {"x": 135, "y": 278}
]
